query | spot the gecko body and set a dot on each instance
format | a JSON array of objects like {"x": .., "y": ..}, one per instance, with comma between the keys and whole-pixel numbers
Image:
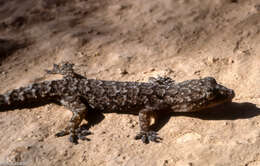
[{"x": 147, "y": 99}]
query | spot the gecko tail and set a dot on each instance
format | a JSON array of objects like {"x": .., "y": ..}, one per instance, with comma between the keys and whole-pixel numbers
[
  {"x": 31, "y": 96},
  {"x": 16, "y": 98},
  {"x": 6, "y": 102}
]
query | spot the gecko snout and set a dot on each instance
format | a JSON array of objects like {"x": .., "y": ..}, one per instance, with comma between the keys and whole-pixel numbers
[{"x": 226, "y": 92}]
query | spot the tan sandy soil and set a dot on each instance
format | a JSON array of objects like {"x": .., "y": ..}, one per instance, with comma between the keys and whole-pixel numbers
[{"x": 132, "y": 40}]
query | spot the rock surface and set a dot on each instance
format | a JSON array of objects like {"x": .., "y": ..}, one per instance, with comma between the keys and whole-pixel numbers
[{"x": 132, "y": 40}]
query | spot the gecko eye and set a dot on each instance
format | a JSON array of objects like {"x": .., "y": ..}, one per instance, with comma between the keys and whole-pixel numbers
[{"x": 210, "y": 95}]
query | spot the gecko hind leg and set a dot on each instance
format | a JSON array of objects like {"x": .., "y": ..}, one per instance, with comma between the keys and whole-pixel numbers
[
  {"x": 146, "y": 134},
  {"x": 161, "y": 80}
]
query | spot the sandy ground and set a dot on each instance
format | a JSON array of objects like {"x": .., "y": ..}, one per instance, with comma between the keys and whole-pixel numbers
[{"x": 132, "y": 40}]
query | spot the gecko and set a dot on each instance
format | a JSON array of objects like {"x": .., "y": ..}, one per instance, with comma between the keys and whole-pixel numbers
[{"x": 147, "y": 99}]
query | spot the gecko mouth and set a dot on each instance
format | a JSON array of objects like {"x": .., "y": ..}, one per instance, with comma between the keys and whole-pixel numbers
[
  {"x": 223, "y": 97},
  {"x": 229, "y": 94}
]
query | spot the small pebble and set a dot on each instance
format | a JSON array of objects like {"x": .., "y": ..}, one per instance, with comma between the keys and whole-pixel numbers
[
  {"x": 212, "y": 60},
  {"x": 123, "y": 71},
  {"x": 230, "y": 61}
]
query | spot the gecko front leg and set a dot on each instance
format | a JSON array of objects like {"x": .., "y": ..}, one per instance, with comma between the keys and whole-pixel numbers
[
  {"x": 64, "y": 68},
  {"x": 79, "y": 110}
]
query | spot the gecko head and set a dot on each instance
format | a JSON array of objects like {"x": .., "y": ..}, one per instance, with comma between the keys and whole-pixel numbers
[
  {"x": 215, "y": 93},
  {"x": 198, "y": 94}
]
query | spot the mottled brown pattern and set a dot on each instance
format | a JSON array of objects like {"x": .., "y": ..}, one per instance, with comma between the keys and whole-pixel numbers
[{"x": 80, "y": 94}]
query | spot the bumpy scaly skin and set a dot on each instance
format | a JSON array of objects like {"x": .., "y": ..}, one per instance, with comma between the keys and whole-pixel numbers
[{"x": 81, "y": 95}]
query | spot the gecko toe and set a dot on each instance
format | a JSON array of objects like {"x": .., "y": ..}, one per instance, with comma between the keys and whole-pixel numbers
[
  {"x": 145, "y": 139},
  {"x": 73, "y": 139},
  {"x": 61, "y": 134},
  {"x": 82, "y": 135},
  {"x": 83, "y": 138},
  {"x": 85, "y": 132}
]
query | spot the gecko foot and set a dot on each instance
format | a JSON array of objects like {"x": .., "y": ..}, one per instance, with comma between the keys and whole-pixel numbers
[
  {"x": 73, "y": 137},
  {"x": 146, "y": 137},
  {"x": 79, "y": 134}
]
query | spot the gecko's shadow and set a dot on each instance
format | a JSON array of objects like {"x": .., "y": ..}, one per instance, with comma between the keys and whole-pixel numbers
[
  {"x": 231, "y": 111},
  {"x": 93, "y": 118}
]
